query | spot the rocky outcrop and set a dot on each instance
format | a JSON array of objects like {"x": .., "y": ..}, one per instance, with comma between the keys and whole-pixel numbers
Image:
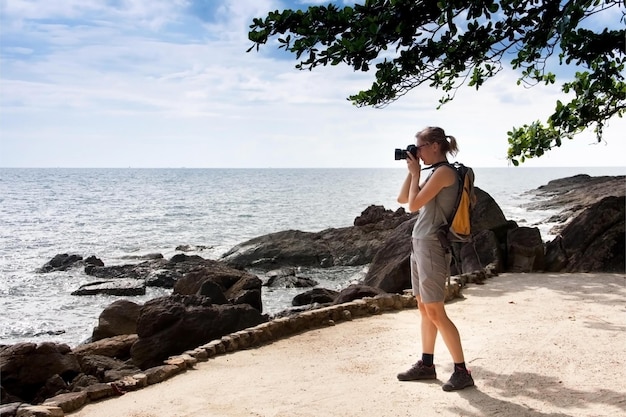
[
  {"x": 170, "y": 325},
  {"x": 347, "y": 246},
  {"x": 590, "y": 229},
  {"x": 60, "y": 262},
  {"x": 221, "y": 283},
  {"x": 591, "y": 242},
  {"x": 33, "y": 372},
  {"x": 572, "y": 195},
  {"x": 85, "y": 388},
  {"x": 192, "y": 271}
]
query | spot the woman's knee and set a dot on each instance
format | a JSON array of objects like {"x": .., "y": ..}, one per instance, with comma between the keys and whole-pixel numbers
[{"x": 434, "y": 311}]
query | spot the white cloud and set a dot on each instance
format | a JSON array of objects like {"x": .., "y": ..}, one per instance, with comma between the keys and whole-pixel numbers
[{"x": 146, "y": 84}]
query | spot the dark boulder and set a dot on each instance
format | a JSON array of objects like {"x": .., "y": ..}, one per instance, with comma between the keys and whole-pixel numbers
[
  {"x": 347, "y": 246},
  {"x": 247, "y": 290},
  {"x": 487, "y": 214},
  {"x": 162, "y": 278},
  {"x": 170, "y": 325},
  {"x": 93, "y": 261},
  {"x": 316, "y": 295},
  {"x": 61, "y": 262},
  {"x": 485, "y": 249},
  {"x": 25, "y": 368},
  {"x": 213, "y": 291},
  {"x": 237, "y": 286},
  {"x": 356, "y": 292},
  {"x": 591, "y": 242},
  {"x": 105, "y": 368},
  {"x": 140, "y": 271},
  {"x": 290, "y": 281},
  {"x": 525, "y": 250},
  {"x": 118, "y": 318},
  {"x": 117, "y": 287},
  {"x": 390, "y": 269},
  {"x": 113, "y": 347}
]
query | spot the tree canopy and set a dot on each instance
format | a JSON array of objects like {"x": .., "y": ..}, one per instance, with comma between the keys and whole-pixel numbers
[{"x": 449, "y": 43}]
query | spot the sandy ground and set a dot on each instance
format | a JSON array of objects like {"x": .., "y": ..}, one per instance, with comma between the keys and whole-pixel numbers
[{"x": 537, "y": 345}]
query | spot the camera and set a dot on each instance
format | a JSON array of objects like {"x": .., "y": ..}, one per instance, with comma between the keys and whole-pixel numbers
[{"x": 401, "y": 153}]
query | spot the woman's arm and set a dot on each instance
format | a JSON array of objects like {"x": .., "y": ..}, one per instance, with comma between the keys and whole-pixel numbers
[
  {"x": 403, "y": 197},
  {"x": 418, "y": 197}
]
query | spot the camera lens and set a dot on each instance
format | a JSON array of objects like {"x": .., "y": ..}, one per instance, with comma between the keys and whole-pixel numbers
[{"x": 400, "y": 154}]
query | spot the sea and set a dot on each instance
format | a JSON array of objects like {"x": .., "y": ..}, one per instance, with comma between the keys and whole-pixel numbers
[{"x": 120, "y": 215}]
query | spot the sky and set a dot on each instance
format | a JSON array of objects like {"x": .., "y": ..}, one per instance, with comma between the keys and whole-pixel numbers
[{"x": 168, "y": 83}]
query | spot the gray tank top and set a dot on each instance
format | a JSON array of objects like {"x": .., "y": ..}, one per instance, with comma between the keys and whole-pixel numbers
[{"x": 436, "y": 212}]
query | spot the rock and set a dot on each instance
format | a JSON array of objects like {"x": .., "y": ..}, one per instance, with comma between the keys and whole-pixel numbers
[
  {"x": 525, "y": 250},
  {"x": 60, "y": 262},
  {"x": 39, "y": 411},
  {"x": 99, "y": 391},
  {"x": 347, "y": 246},
  {"x": 390, "y": 269},
  {"x": 68, "y": 402},
  {"x": 162, "y": 278},
  {"x": 118, "y": 318},
  {"x": 487, "y": 215},
  {"x": 140, "y": 271},
  {"x": 186, "y": 259},
  {"x": 160, "y": 373},
  {"x": 146, "y": 256},
  {"x": 246, "y": 290},
  {"x": 26, "y": 367},
  {"x": 572, "y": 195},
  {"x": 290, "y": 281},
  {"x": 592, "y": 241},
  {"x": 117, "y": 287},
  {"x": 192, "y": 248},
  {"x": 93, "y": 261},
  {"x": 236, "y": 285},
  {"x": 105, "y": 368},
  {"x": 171, "y": 325},
  {"x": 316, "y": 295},
  {"x": 483, "y": 250},
  {"x": 213, "y": 291},
  {"x": 113, "y": 347},
  {"x": 355, "y": 292},
  {"x": 9, "y": 409},
  {"x": 55, "y": 385},
  {"x": 83, "y": 381},
  {"x": 377, "y": 214}
]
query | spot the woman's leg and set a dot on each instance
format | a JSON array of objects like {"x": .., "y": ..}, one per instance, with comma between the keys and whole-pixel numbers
[
  {"x": 449, "y": 333},
  {"x": 428, "y": 329}
]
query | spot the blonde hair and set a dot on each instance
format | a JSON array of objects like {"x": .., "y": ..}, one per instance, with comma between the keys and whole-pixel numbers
[{"x": 433, "y": 134}]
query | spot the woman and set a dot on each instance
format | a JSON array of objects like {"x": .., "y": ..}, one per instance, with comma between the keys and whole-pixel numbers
[{"x": 434, "y": 197}]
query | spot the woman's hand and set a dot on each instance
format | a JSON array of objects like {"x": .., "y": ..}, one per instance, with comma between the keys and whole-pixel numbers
[{"x": 413, "y": 164}]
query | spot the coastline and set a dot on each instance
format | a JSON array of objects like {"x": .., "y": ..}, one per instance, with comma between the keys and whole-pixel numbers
[
  {"x": 538, "y": 344},
  {"x": 113, "y": 222}
]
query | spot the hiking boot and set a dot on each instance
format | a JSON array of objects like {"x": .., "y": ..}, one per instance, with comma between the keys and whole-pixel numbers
[
  {"x": 417, "y": 372},
  {"x": 460, "y": 379}
]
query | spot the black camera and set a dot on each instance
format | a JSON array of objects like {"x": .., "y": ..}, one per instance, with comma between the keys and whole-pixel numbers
[{"x": 401, "y": 153}]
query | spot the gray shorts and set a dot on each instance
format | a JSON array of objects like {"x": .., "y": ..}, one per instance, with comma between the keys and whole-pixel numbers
[{"x": 430, "y": 269}]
